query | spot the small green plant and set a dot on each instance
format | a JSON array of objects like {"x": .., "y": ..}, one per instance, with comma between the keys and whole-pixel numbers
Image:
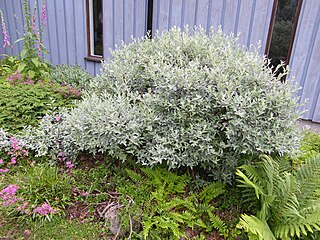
[
  {"x": 310, "y": 145},
  {"x": 39, "y": 185},
  {"x": 25, "y": 104},
  {"x": 70, "y": 75},
  {"x": 287, "y": 201},
  {"x": 30, "y": 63},
  {"x": 158, "y": 200}
]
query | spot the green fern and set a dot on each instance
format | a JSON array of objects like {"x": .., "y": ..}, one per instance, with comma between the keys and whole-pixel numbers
[
  {"x": 166, "y": 210},
  {"x": 289, "y": 201}
]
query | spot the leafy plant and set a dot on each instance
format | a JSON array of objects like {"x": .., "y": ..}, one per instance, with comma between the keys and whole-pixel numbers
[
  {"x": 70, "y": 75},
  {"x": 43, "y": 183},
  {"x": 187, "y": 99},
  {"x": 310, "y": 145},
  {"x": 30, "y": 62},
  {"x": 157, "y": 199},
  {"x": 25, "y": 104},
  {"x": 288, "y": 201}
]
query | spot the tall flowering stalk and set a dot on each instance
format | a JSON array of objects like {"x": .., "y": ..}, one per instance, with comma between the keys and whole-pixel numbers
[
  {"x": 35, "y": 30},
  {"x": 6, "y": 41}
]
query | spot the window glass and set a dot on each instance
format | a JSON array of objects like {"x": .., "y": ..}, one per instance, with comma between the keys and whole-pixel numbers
[
  {"x": 96, "y": 27},
  {"x": 282, "y": 31}
]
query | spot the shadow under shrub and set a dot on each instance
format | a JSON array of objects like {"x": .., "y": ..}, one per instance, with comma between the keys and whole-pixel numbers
[{"x": 187, "y": 99}]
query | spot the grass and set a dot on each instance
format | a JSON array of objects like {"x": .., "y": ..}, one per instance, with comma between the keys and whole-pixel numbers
[{"x": 99, "y": 184}]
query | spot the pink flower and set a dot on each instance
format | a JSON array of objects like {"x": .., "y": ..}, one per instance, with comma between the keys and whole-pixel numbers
[
  {"x": 44, "y": 13},
  {"x": 4, "y": 170},
  {"x": 69, "y": 165},
  {"x": 13, "y": 160},
  {"x": 58, "y": 117},
  {"x": 8, "y": 195},
  {"x": 44, "y": 209},
  {"x": 1, "y": 161},
  {"x": 84, "y": 193},
  {"x": 23, "y": 207},
  {"x": 14, "y": 144},
  {"x": 4, "y": 32}
]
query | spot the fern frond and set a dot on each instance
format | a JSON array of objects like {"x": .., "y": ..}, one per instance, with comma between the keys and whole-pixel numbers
[
  {"x": 217, "y": 223},
  {"x": 136, "y": 177},
  {"x": 255, "y": 226},
  {"x": 308, "y": 177},
  {"x": 211, "y": 191},
  {"x": 296, "y": 227},
  {"x": 249, "y": 183}
]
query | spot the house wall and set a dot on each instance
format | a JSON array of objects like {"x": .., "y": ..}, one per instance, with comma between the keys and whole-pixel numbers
[
  {"x": 305, "y": 58},
  {"x": 67, "y": 28},
  {"x": 123, "y": 18},
  {"x": 250, "y": 18}
]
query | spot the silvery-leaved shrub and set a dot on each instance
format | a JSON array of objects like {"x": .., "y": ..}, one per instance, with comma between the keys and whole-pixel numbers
[
  {"x": 187, "y": 99},
  {"x": 70, "y": 75},
  {"x": 50, "y": 138}
]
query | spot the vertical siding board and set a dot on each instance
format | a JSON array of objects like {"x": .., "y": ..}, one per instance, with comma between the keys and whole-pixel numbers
[
  {"x": 46, "y": 39},
  {"x": 155, "y": 14},
  {"x": 97, "y": 67},
  {"x": 202, "y": 13},
  {"x": 230, "y": 13},
  {"x": 311, "y": 74},
  {"x": 316, "y": 115},
  {"x": 261, "y": 18},
  {"x": 53, "y": 35},
  {"x": 11, "y": 26},
  {"x": 61, "y": 31},
  {"x": 18, "y": 24},
  {"x": 175, "y": 17},
  {"x": 189, "y": 12},
  {"x": 108, "y": 27},
  {"x": 140, "y": 27},
  {"x": 163, "y": 17},
  {"x": 128, "y": 21},
  {"x": 306, "y": 33},
  {"x": 80, "y": 33},
  {"x": 70, "y": 31},
  {"x": 244, "y": 21},
  {"x": 118, "y": 22},
  {"x": 216, "y": 14},
  {"x": 90, "y": 67}
]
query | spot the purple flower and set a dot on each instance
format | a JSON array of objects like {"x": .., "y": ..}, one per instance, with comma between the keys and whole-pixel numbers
[
  {"x": 13, "y": 160},
  {"x": 35, "y": 31},
  {"x": 8, "y": 195},
  {"x": 4, "y": 32},
  {"x": 44, "y": 13},
  {"x": 58, "y": 117},
  {"x": 14, "y": 144},
  {"x": 44, "y": 209},
  {"x": 69, "y": 165}
]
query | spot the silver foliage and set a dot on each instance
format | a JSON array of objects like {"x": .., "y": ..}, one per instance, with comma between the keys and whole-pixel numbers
[{"x": 187, "y": 99}]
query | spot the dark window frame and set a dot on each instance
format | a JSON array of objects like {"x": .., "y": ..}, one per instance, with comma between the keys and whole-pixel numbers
[
  {"x": 294, "y": 28},
  {"x": 91, "y": 56}
]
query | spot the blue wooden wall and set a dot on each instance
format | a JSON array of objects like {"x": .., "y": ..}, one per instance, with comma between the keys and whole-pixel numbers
[
  {"x": 305, "y": 58},
  {"x": 66, "y": 37},
  {"x": 250, "y": 18},
  {"x": 123, "y": 18}
]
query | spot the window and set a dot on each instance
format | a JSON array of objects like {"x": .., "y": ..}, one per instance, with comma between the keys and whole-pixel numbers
[
  {"x": 95, "y": 29},
  {"x": 282, "y": 30}
]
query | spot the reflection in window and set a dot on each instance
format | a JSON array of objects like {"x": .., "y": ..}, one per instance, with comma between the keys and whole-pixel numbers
[
  {"x": 95, "y": 28},
  {"x": 283, "y": 31}
]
